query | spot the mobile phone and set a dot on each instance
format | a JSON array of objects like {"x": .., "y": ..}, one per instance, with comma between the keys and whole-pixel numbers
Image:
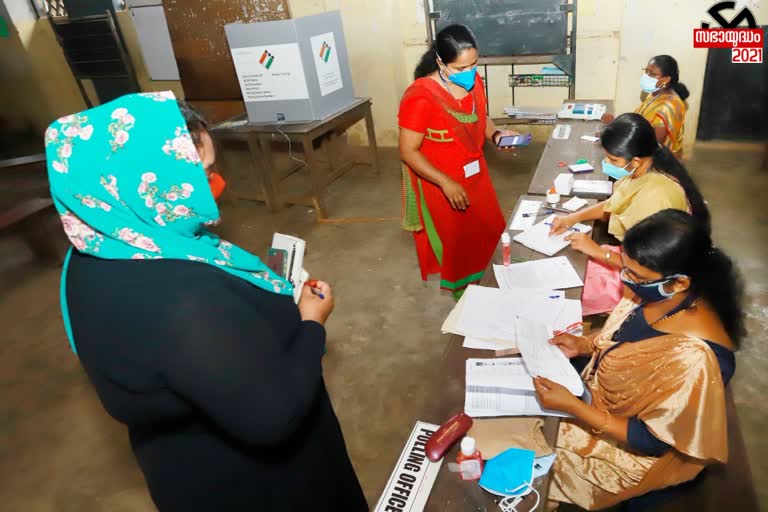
[{"x": 509, "y": 141}]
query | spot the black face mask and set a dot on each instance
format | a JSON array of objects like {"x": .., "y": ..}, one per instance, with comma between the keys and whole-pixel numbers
[{"x": 650, "y": 292}]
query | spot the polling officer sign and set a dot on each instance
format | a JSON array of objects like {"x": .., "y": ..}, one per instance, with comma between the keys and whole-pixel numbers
[{"x": 411, "y": 481}]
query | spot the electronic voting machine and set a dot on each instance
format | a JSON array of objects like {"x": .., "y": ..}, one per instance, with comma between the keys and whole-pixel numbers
[{"x": 585, "y": 111}]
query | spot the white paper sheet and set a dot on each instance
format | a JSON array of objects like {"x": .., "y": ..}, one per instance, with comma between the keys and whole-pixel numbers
[
  {"x": 545, "y": 360},
  {"x": 574, "y": 204},
  {"x": 501, "y": 387},
  {"x": 590, "y": 138},
  {"x": 548, "y": 273},
  {"x": 538, "y": 238},
  {"x": 489, "y": 313},
  {"x": 326, "y": 63},
  {"x": 520, "y": 223}
]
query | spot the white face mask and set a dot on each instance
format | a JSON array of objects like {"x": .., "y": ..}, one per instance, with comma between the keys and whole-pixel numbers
[{"x": 648, "y": 83}]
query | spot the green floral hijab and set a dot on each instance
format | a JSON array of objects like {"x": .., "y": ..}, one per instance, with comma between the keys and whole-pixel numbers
[{"x": 128, "y": 183}]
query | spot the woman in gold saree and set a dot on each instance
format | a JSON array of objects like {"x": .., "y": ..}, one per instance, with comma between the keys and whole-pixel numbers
[
  {"x": 664, "y": 105},
  {"x": 656, "y": 371}
]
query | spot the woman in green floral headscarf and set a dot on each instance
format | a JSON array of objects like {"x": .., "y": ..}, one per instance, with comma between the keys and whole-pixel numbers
[{"x": 190, "y": 341}]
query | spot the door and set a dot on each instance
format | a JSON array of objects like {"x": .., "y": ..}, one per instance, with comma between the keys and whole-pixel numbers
[{"x": 734, "y": 104}]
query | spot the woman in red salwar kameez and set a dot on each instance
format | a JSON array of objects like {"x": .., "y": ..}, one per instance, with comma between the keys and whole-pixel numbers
[{"x": 450, "y": 204}]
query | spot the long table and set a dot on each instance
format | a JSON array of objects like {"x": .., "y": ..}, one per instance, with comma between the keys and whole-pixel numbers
[
  {"x": 571, "y": 150},
  {"x": 450, "y": 493}
]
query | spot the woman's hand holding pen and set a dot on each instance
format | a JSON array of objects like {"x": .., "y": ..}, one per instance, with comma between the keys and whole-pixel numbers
[
  {"x": 316, "y": 302},
  {"x": 455, "y": 194},
  {"x": 562, "y": 224}
]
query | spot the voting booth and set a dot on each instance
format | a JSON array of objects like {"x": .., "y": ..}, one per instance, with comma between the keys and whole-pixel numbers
[{"x": 292, "y": 71}]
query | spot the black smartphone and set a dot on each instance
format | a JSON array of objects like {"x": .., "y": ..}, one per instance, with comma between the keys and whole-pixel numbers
[{"x": 509, "y": 141}]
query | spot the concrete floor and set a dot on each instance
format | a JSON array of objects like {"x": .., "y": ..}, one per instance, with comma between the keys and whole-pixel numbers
[{"x": 59, "y": 451}]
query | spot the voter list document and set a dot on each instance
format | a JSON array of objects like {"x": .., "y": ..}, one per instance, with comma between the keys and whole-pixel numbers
[{"x": 501, "y": 387}]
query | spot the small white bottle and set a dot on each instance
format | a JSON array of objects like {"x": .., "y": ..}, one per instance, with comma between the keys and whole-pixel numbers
[
  {"x": 506, "y": 249},
  {"x": 470, "y": 460}
]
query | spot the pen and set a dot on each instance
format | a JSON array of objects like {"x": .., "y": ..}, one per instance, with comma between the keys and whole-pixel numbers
[
  {"x": 553, "y": 297},
  {"x": 552, "y": 208},
  {"x": 569, "y": 229},
  {"x": 312, "y": 283},
  {"x": 568, "y": 329}
]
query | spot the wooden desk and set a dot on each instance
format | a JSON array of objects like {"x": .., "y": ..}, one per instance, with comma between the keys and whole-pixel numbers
[
  {"x": 571, "y": 150},
  {"x": 259, "y": 140},
  {"x": 450, "y": 493}
]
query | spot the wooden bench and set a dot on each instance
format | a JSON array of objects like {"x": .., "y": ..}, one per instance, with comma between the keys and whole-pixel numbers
[{"x": 29, "y": 208}]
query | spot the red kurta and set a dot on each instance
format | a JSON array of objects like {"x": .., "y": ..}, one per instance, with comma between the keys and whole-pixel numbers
[{"x": 457, "y": 244}]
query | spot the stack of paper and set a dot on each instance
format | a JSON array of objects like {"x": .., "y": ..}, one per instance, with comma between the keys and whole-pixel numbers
[
  {"x": 504, "y": 386},
  {"x": 538, "y": 238},
  {"x": 486, "y": 316},
  {"x": 550, "y": 273}
]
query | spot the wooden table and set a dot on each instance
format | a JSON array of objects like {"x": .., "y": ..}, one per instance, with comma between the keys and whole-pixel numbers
[
  {"x": 450, "y": 493},
  {"x": 570, "y": 151},
  {"x": 259, "y": 139}
]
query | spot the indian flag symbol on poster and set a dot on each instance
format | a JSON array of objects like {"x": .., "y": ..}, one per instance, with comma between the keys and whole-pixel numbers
[
  {"x": 326, "y": 63},
  {"x": 270, "y": 73}
]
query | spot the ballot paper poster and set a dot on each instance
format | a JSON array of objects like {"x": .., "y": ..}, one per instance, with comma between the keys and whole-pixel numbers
[
  {"x": 326, "y": 63},
  {"x": 270, "y": 73},
  {"x": 414, "y": 475}
]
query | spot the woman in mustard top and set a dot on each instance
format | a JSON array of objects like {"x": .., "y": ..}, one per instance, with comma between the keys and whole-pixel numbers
[
  {"x": 650, "y": 179},
  {"x": 664, "y": 106}
]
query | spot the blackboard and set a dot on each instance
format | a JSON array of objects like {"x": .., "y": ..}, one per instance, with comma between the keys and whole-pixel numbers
[
  {"x": 734, "y": 104},
  {"x": 509, "y": 27}
]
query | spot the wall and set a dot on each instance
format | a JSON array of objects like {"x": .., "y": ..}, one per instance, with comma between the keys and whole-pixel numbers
[
  {"x": 385, "y": 40},
  {"x": 38, "y": 85},
  {"x": 615, "y": 39}
]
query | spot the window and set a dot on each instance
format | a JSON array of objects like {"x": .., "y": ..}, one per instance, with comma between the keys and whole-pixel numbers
[{"x": 49, "y": 7}]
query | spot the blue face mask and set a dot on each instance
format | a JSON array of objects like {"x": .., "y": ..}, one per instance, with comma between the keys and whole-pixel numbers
[
  {"x": 614, "y": 171},
  {"x": 649, "y": 292},
  {"x": 510, "y": 473},
  {"x": 465, "y": 79},
  {"x": 648, "y": 83}
]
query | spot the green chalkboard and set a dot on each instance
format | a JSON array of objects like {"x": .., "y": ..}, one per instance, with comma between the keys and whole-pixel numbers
[{"x": 509, "y": 27}]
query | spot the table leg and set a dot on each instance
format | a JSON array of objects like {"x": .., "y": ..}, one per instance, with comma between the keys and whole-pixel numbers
[
  {"x": 372, "y": 148},
  {"x": 316, "y": 177},
  {"x": 261, "y": 155}
]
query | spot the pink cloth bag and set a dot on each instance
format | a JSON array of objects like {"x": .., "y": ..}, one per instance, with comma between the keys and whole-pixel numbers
[{"x": 603, "y": 288}]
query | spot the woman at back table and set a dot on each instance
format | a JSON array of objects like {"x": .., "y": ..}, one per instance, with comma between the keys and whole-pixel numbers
[
  {"x": 664, "y": 106},
  {"x": 190, "y": 341},
  {"x": 650, "y": 179},
  {"x": 450, "y": 204},
  {"x": 657, "y": 371}
]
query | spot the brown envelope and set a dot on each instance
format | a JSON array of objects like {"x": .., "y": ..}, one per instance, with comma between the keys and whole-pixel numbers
[{"x": 494, "y": 435}]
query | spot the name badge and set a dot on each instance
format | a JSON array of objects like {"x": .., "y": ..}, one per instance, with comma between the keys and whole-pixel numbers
[{"x": 471, "y": 169}]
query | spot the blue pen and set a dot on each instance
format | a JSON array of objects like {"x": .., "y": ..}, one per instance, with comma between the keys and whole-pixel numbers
[
  {"x": 569, "y": 229},
  {"x": 554, "y": 296}
]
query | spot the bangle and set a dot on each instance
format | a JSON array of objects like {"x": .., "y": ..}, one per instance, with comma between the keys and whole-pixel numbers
[
  {"x": 605, "y": 424},
  {"x": 590, "y": 345}
]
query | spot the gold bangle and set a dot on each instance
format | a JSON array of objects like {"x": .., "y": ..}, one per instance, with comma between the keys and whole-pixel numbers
[
  {"x": 590, "y": 345},
  {"x": 605, "y": 424}
]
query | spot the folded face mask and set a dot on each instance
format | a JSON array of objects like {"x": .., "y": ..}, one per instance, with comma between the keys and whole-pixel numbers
[{"x": 510, "y": 473}]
